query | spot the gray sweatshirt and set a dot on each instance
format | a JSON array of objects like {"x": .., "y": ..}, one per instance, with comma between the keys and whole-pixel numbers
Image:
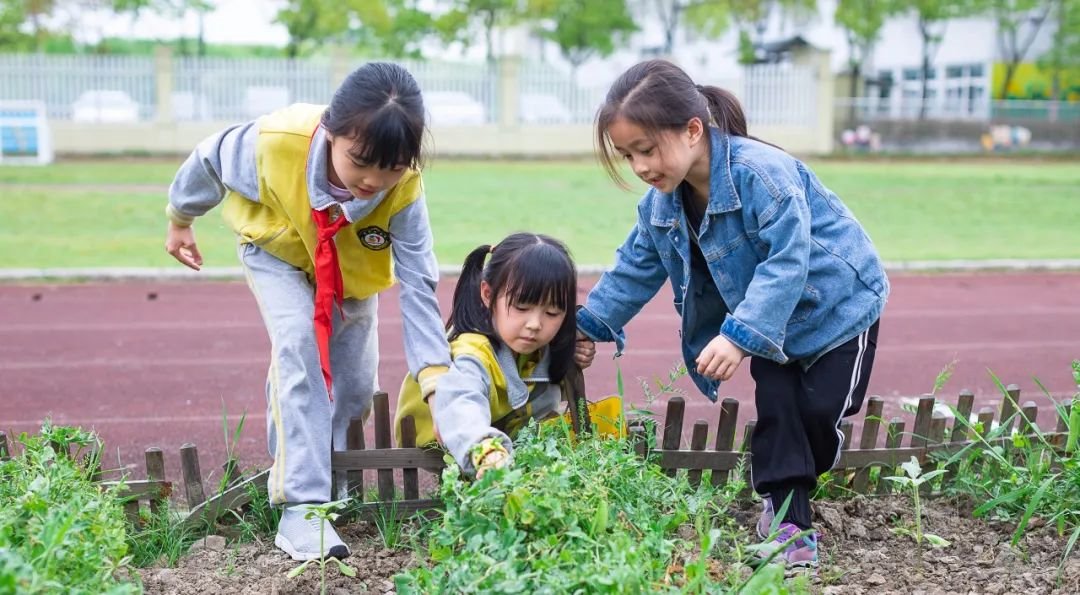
[
  {"x": 226, "y": 161},
  {"x": 462, "y": 409}
]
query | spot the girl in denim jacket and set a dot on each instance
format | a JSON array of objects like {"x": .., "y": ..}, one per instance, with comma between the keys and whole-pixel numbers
[{"x": 764, "y": 262}]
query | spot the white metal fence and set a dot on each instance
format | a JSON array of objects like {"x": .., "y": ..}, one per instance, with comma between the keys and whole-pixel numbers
[
  {"x": 108, "y": 88},
  {"x": 551, "y": 96},
  {"x": 87, "y": 88},
  {"x": 242, "y": 89},
  {"x": 780, "y": 95}
]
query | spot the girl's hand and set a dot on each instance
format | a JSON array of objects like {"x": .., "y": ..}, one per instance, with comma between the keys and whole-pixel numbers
[
  {"x": 180, "y": 242},
  {"x": 496, "y": 459},
  {"x": 719, "y": 359},
  {"x": 584, "y": 351}
]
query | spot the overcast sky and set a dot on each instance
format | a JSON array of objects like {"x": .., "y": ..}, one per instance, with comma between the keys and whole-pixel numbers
[{"x": 232, "y": 21}]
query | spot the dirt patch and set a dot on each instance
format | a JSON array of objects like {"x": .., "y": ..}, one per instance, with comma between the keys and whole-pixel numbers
[
  {"x": 860, "y": 555},
  {"x": 260, "y": 568}
]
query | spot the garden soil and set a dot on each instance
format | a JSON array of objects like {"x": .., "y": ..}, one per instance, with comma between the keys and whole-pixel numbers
[{"x": 861, "y": 554}]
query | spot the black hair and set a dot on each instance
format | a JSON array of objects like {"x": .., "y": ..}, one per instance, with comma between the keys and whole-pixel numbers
[
  {"x": 659, "y": 96},
  {"x": 529, "y": 269},
  {"x": 379, "y": 104}
]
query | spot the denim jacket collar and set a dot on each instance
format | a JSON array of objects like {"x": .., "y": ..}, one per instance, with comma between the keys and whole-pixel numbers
[{"x": 667, "y": 208}]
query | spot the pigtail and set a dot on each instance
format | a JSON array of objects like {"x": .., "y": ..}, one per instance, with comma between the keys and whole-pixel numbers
[{"x": 468, "y": 313}]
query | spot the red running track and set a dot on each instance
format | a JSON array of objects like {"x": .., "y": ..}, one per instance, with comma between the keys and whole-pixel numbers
[{"x": 151, "y": 364}]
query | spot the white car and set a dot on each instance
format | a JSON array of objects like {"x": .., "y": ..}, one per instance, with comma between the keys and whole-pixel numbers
[
  {"x": 104, "y": 106},
  {"x": 543, "y": 108},
  {"x": 259, "y": 101},
  {"x": 454, "y": 108}
]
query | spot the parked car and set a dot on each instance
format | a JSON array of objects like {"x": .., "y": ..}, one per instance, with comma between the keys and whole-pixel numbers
[
  {"x": 454, "y": 108},
  {"x": 543, "y": 108},
  {"x": 259, "y": 101},
  {"x": 104, "y": 106},
  {"x": 188, "y": 106}
]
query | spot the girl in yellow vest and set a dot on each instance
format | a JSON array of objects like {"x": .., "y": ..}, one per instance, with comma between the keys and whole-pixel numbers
[
  {"x": 328, "y": 208},
  {"x": 511, "y": 341}
]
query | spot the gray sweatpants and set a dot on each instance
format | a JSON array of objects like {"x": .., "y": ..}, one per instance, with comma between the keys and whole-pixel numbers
[{"x": 302, "y": 424}]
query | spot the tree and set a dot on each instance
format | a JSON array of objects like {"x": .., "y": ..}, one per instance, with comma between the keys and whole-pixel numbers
[
  {"x": 583, "y": 30},
  {"x": 862, "y": 22},
  {"x": 932, "y": 18},
  {"x": 34, "y": 12},
  {"x": 709, "y": 18},
  {"x": 311, "y": 23},
  {"x": 455, "y": 25},
  {"x": 1011, "y": 16},
  {"x": 712, "y": 18},
  {"x": 1064, "y": 53},
  {"x": 752, "y": 17},
  {"x": 12, "y": 16},
  {"x": 170, "y": 9},
  {"x": 392, "y": 28}
]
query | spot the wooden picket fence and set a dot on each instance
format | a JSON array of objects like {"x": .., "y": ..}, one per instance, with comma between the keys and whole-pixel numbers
[{"x": 395, "y": 467}]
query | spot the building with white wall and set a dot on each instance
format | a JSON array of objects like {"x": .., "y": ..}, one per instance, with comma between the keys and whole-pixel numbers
[{"x": 962, "y": 77}]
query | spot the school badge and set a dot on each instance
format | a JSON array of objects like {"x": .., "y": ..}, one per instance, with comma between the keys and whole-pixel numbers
[{"x": 374, "y": 238}]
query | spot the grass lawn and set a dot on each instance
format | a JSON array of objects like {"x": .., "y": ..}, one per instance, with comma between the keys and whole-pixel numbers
[{"x": 110, "y": 213}]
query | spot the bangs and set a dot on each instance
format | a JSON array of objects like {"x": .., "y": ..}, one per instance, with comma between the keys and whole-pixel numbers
[
  {"x": 542, "y": 275},
  {"x": 387, "y": 139}
]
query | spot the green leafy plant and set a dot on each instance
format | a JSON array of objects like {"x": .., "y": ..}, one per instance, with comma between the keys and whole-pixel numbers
[
  {"x": 575, "y": 516},
  {"x": 326, "y": 513},
  {"x": 59, "y": 531},
  {"x": 912, "y": 479}
]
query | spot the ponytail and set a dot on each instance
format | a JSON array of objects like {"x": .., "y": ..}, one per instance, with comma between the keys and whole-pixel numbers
[
  {"x": 657, "y": 95},
  {"x": 725, "y": 112},
  {"x": 468, "y": 313}
]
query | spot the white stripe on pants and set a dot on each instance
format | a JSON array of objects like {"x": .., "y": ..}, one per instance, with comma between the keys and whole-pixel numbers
[{"x": 302, "y": 423}]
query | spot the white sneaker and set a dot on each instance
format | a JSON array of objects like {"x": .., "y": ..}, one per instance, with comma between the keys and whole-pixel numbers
[{"x": 299, "y": 537}]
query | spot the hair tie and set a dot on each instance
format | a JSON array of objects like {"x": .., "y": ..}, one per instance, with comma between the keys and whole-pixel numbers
[
  {"x": 491, "y": 250},
  {"x": 700, "y": 88}
]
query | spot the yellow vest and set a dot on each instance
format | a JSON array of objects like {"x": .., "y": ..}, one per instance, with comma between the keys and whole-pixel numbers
[
  {"x": 503, "y": 416},
  {"x": 281, "y": 224}
]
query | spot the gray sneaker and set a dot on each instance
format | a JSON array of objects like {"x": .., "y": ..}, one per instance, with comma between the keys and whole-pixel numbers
[{"x": 299, "y": 537}]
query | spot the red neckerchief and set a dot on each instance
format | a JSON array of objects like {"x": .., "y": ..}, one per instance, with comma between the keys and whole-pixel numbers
[{"x": 329, "y": 288}]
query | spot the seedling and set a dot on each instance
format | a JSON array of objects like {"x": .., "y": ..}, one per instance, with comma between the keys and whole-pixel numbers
[
  {"x": 326, "y": 514},
  {"x": 912, "y": 480}
]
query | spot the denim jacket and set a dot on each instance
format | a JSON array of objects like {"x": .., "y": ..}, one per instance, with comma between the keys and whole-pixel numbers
[{"x": 793, "y": 274}]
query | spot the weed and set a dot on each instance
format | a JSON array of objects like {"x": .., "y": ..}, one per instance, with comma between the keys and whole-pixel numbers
[
  {"x": 162, "y": 537},
  {"x": 389, "y": 524},
  {"x": 664, "y": 386},
  {"x": 1018, "y": 475}
]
